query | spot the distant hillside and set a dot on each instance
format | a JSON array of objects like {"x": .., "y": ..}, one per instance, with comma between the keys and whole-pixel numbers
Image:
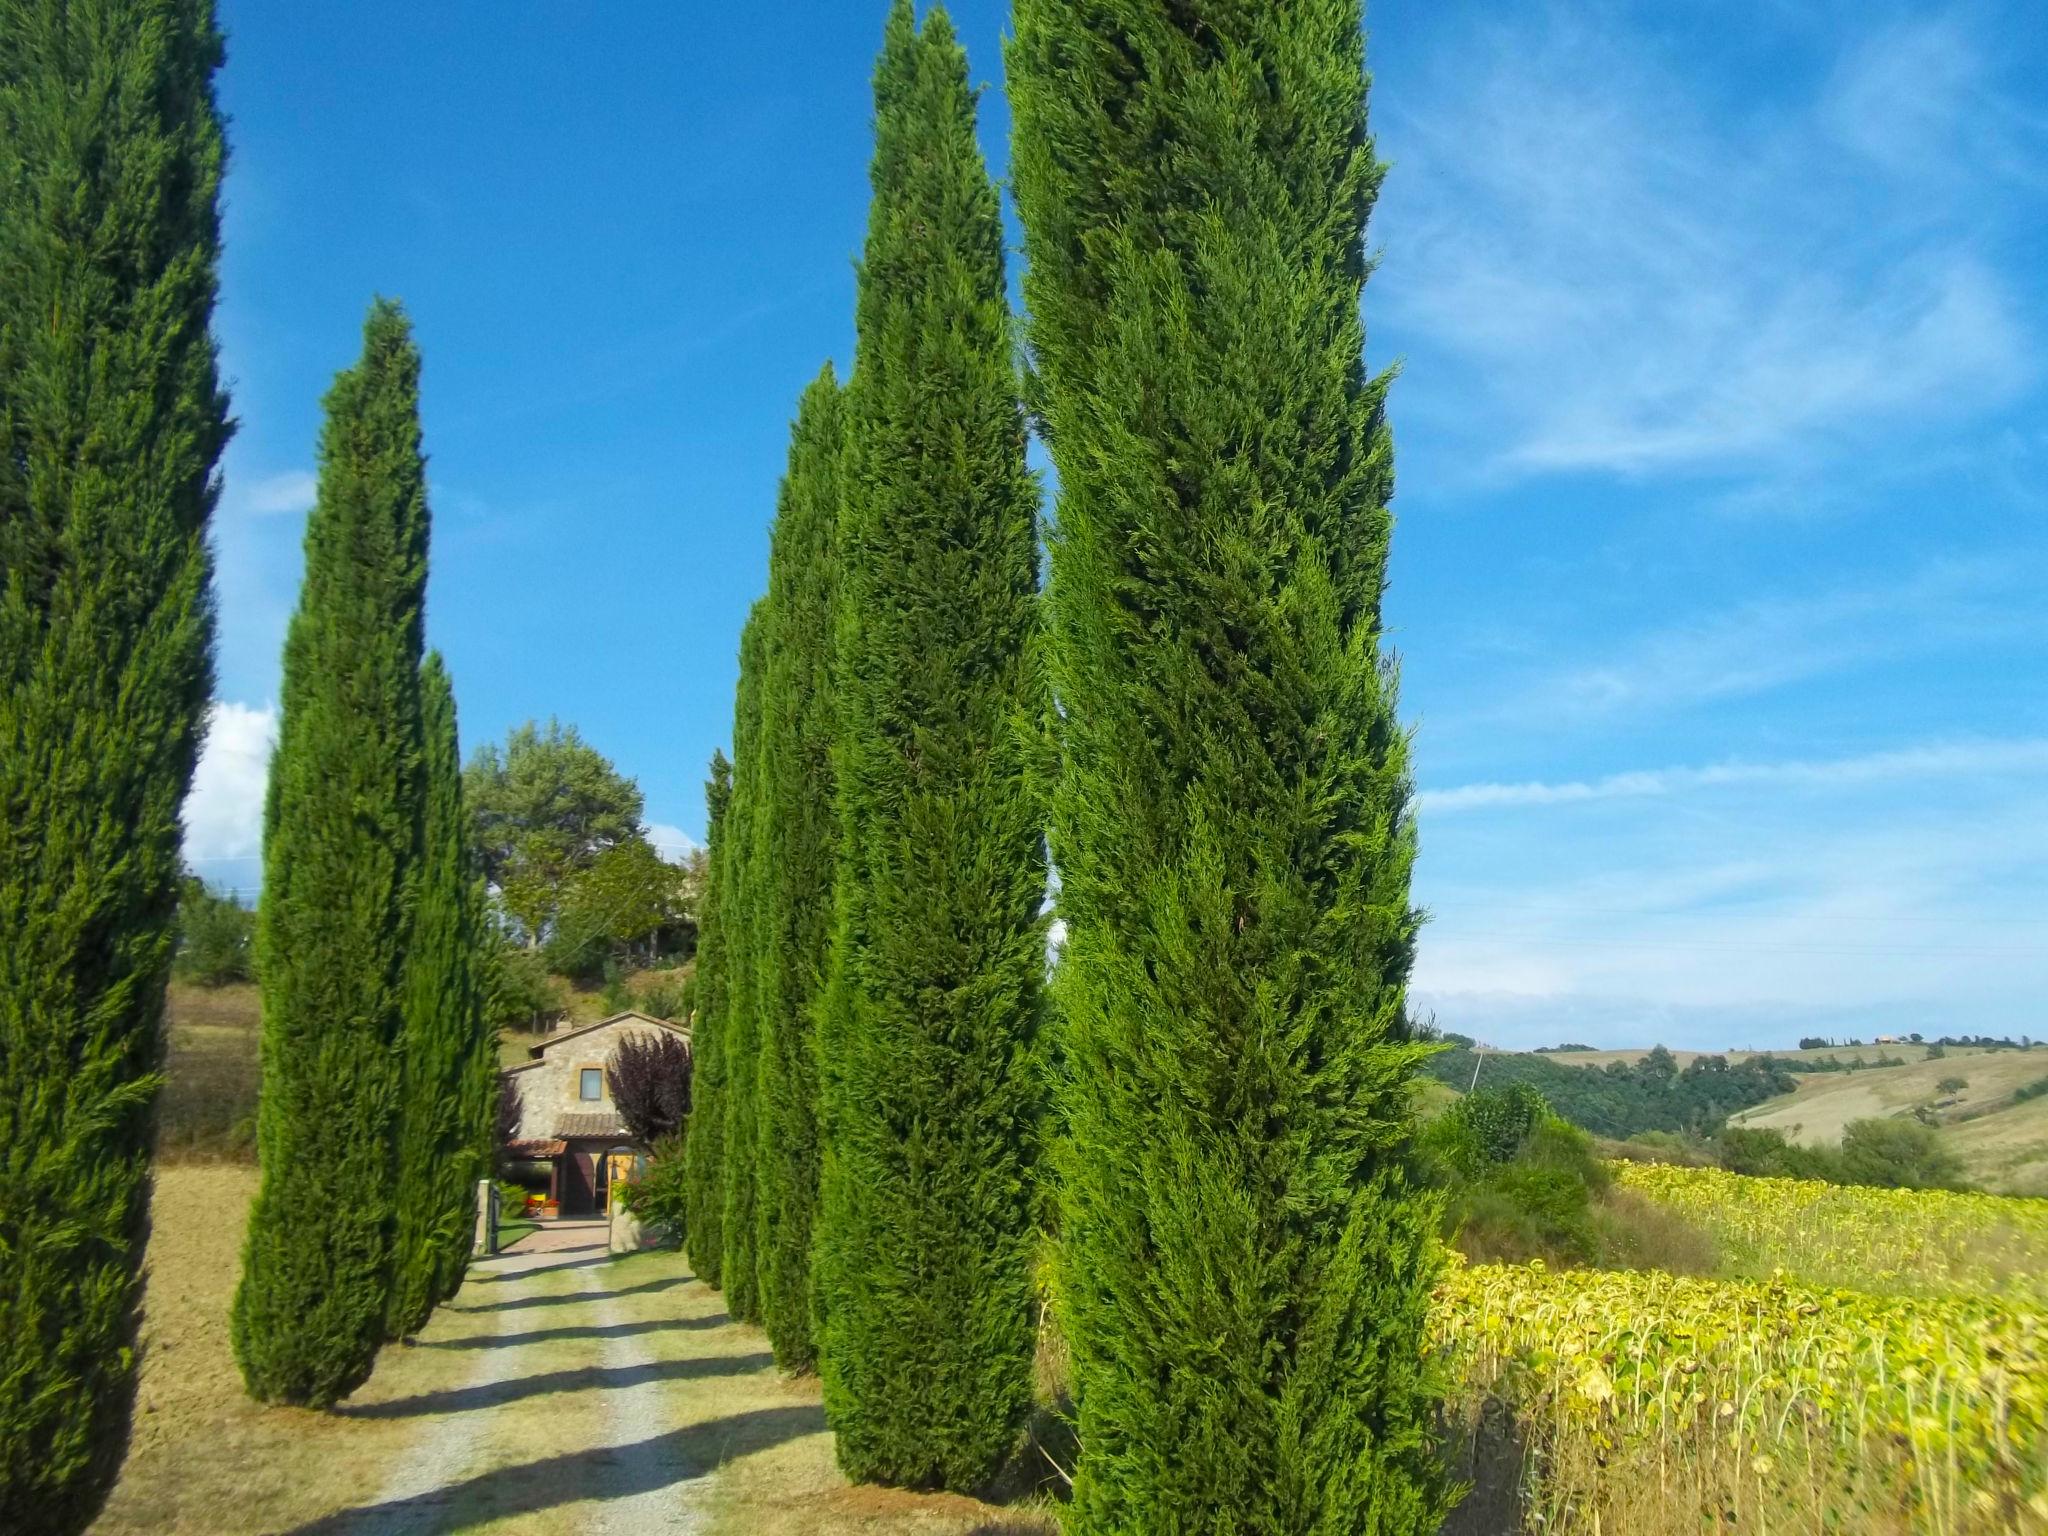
[
  {"x": 2002, "y": 1139},
  {"x": 1653, "y": 1092}
]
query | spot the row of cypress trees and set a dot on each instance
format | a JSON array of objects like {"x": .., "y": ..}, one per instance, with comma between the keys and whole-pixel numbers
[
  {"x": 1207, "y": 1118},
  {"x": 379, "y": 1070},
  {"x": 867, "y": 1106}
]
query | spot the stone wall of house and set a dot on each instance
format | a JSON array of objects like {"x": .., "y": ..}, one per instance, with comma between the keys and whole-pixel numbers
[{"x": 549, "y": 1091}]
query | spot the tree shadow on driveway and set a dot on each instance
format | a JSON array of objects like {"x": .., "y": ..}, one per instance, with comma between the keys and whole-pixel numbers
[
  {"x": 614, "y": 1472},
  {"x": 584, "y": 1378},
  {"x": 577, "y": 1331},
  {"x": 521, "y": 1303}
]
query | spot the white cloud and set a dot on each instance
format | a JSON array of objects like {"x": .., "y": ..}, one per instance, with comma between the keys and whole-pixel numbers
[
  {"x": 1971, "y": 759},
  {"x": 282, "y": 495},
  {"x": 224, "y": 813},
  {"x": 671, "y": 842},
  {"x": 1642, "y": 280}
]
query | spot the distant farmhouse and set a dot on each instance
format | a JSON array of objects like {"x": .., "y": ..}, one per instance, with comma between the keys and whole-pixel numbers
[{"x": 566, "y": 1116}]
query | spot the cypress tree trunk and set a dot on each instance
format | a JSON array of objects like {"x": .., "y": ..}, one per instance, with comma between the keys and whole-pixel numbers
[
  {"x": 704, "y": 1136},
  {"x": 739, "y": 905},
  {"x": 443, "y": 1037},
  {"x": 799, "y": 852},
  {"x": 341, "y": 850},
  {"x": 112, "y": 419},
  {"x": 1246, "y": 1264},
  {"x": 928, "y": 1041}
]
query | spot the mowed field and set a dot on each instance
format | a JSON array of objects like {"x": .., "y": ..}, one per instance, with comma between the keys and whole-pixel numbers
[{"x": 2003, "y": 1143}]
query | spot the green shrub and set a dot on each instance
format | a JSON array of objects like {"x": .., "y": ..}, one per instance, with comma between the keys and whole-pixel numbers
[
  {"x": 216, "y": 937},
  {"x": 659, "y": 1197},
  {"x": 1898, "y": 1154}
]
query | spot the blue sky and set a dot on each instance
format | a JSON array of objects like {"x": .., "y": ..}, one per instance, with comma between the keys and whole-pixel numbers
[{"x": 1723, "y": 506}]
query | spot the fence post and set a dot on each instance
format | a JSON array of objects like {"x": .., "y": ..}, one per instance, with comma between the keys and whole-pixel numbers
[{"x": 486, "y": 1218}]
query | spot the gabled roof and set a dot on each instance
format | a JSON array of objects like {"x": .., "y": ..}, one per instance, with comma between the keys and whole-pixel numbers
[{"x": 627, "y": 1017}]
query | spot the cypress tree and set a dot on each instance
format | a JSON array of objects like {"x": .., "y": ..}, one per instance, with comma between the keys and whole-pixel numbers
[
  {"x": 739, "y": 904},
  {"x": 1245, "y": 1261},
  {"x": 928, "y": 1041},
  {"x": 704, "y": 1136},
  {"x": 112, "y": 419},
  {"x": 447, "y": 1051},
  {"x": 341, "y": 849},
  {"x": 799, "y": 849}
]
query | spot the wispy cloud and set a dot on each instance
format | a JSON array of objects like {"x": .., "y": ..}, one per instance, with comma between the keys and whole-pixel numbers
[
  {"x": 1640, "y": 280},
  {"x": 1753, "y": 647},
  {"x": 1744, "y": 926},
  {"x": 1971, "y": 759},
  {"x": 280, "y": 495},
  {"x": 1924, "y": 95}
]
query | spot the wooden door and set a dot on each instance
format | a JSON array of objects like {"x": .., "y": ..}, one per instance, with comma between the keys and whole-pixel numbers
[{"x": 579, "y": 1195}]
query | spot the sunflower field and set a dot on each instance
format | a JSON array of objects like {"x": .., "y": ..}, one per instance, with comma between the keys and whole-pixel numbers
[{"x": 1887, "y": 1241}]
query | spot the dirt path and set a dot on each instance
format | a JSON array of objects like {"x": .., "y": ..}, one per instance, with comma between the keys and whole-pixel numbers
[
  {"x": 562, "y": 1392},
  {"x": 570, "y": 1416}
]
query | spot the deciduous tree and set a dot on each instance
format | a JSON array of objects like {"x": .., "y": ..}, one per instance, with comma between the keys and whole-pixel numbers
[{"x": 650, "y": 1077}]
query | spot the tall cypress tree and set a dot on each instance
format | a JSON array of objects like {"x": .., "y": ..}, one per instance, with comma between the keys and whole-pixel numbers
[
  {"x": 799, "y": 848},
  {"x": 341, "y": 849},
  {"x": 1246, "y": 1263},
  {"x": 739, "y": 906},
  {"x": 112, "y": 419},
  {"x": 444, "y": 1036},
  {"x": 928, "y": 1041},
  {"x": 704, "y": 1136}
]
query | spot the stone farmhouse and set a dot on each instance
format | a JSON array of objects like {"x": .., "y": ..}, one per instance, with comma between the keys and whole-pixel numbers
[{"x": 567, "y": 1119}]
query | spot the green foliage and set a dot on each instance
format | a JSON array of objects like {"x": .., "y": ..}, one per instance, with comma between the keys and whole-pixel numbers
[
  {"x": 1767, "y": 1154},
  {"x": 666, "y": 997},
  {"x": 1246, "y": 1261},
  {"x": 739, "y": 909},
  {"x": 448, "y": 1048},
  {"x": 928, "y": 1041},
  {"x": 1520, "y": 1181},
  {"x": 2034, "y": 1090},
  {"x": 1898, "y": 1154},
  {"x": 704, "y": 1136},
  {"x": 623, "y": 903},
  {"x": 798, "y": 841},
  {"x": 661, "y": 1197},
  {"x": 216, "y": 936},
  {"x": 546, "y": 805},
  {"x": 513, "y": 979},
  {"x": 342, "y": 848},
  {"x": 1952, "y": 1085},
  {"x": 112, "y": 420},
  {"x": 1623, "y": 1100}
]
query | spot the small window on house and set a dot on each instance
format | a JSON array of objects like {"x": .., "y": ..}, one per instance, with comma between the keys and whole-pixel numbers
[{"x": 593, "y": 1082}]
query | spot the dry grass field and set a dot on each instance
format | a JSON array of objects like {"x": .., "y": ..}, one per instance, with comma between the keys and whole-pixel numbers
[
  {"x": 207, "y": 1112},
  {"x": 2003, "y": 1144}
]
